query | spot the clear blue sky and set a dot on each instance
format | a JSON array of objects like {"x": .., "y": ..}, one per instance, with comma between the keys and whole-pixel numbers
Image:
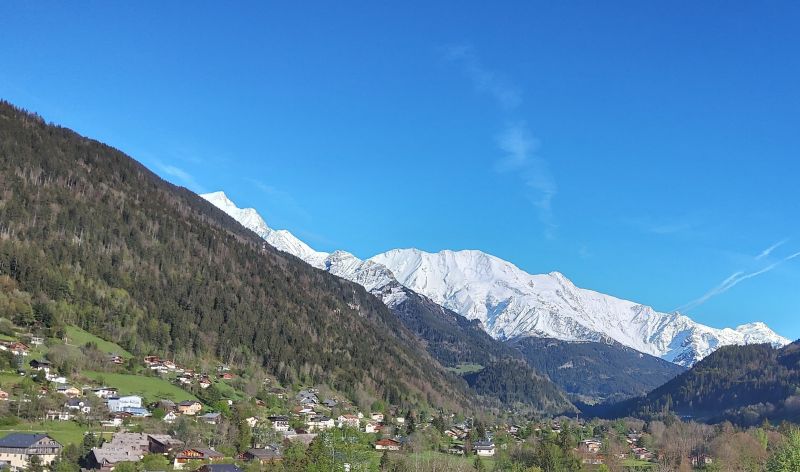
[{"x": 648, "y": 150}]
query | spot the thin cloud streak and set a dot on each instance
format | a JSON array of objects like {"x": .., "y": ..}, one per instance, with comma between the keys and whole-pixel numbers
[
  {"x": 520, "y": 149},
  {"x": 766, "y": 252},
  {"x": 518, "y": 145},
  {"x": 183, "y": 178},
  {"x": 485, "y": 80},
  {"x": 735, "y": 279}
]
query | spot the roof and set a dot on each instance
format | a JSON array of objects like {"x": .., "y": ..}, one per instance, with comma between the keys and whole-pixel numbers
[
  {"x": 387, "y": 442},
  {"x": 207, "y": 453},
  {"x": 22, "y": 439},
  {"x": 265, "y": 453},
  {"x": 188, "y": 402}
]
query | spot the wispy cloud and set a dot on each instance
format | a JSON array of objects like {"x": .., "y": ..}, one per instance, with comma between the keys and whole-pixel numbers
[
  {"x": 485, "y": 80},
  {"x": 517, "y": 144},
  {"x": 179, "y": 176},
  {"x": 520, "y": 147},
  {"x": 738, "y": 277},
  {"x": 766, "y": 252}
]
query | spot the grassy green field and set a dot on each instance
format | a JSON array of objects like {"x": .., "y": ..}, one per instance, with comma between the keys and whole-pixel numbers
[
  {"x": 8, "y": 380},
  {"x": 152, "y": 388},
  {"x": 65, "y": 432},
  {"x": 79, "y": 337},
  {"x": 462, "y": 369}
]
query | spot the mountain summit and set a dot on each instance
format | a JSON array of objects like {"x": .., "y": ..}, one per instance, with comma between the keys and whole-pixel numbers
[{"x": 511, "y": 303}]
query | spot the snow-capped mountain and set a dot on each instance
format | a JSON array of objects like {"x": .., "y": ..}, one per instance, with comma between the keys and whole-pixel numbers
[
  {"x": 510, "y": 302},
  {"x": 375, "y": 277}
]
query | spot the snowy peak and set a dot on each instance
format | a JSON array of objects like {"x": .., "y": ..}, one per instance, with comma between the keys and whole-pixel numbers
[
  {"x": 280, "y": 239},
  {"x": 369, "y": 274},
  {"x": 247, "y": 217},
  {"x": 509, "y": 302},
  {"x": 512, "y": 303}
]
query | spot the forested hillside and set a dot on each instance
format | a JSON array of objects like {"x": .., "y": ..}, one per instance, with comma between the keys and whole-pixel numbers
[
  {"x": 455, "y": 340},
  {"x": 597, "y": 372},
  {"x": 743, "y": 384},
  {"x": 91, "y": 237}
]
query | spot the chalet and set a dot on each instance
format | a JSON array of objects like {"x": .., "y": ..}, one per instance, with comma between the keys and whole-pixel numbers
[
  {"x": 37, "y": 340},
  {"x": 590, "y": 446},
  {"x": 262, "y": 455},
  {"x": 319, "y": 423},
  {"x": 210, "y": 418},
  {"x": 307, "y": 397},
  {"x": 170, "y": 417},
  {"x": 350, "y": 421},
  {"x": 150, "y": 360},
  {"x": 329, "y": 402},
  {"x": 484, "y": 448},
  {"x": 17, "y": 449},
  {"x": 106, "y": 458},
  {"x": 226, "y": 376},
  {"x": 78, "y": 404},
  {"x": 205, "y": 382},
  {"x": 279, "y": 423},
  {"x": 162, "y": 443},
  {"x": 18, "y": 349},
  {"x": 372, "y": 427},
  {"x": 125, "y": 403},
  {"x": 377, "y": 417},
  {"x": 188, "y": 455},
  {"x": 123, "y": 447},
  {"x": 115, "y": 359},
  {"x": 40, "y": 366},
  {"x": 59, "y": 415},
  {"x": 189, "y": 407},
  {"x": 387, "y": 444},
  {"x": 165, "y": 404},
  {"x": 68, "y": 391}
]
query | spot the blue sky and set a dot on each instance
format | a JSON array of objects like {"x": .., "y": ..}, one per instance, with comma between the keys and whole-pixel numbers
[{"x": 646, "y": 149}]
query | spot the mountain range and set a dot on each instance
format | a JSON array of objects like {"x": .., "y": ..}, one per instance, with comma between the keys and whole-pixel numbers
[{"x": 511, "y": 303}]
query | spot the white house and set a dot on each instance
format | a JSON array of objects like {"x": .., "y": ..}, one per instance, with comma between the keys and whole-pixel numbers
[
  {"x": 348, "y": 420},
  {"x": 484, "y": 448},
  {"x": 279, "y": 423},
  {"x": 124, "y": 403},
  {"x": 16, "y": 449},
  {"x": 319, "y": 423}
]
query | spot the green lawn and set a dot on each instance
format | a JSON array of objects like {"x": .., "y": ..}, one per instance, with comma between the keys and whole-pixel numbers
[
  {"x": 462, "y": 369},
  {"x": 152, "y": 388},
  {"x": 65, "y": 432},
  {"x": 9, "y": 379},
  {"x": 79, "y": 337}
]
